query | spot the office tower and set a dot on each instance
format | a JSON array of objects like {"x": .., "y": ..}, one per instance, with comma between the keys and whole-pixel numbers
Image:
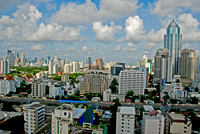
[
  {"x": 120, "y": 63},
  {"x": 55, "y": 69},
  {"x": 47, "y": 59},
  {"x": 160, "y": 66},
  {"x": 16, "y": 55},
  {"x": 96, "y": 81},
  {"x": 8, "y": 52},
  {"x": 115, "y": 70},
  {"x": 125, "y": 122},
  {"x": 33, "y": 116},
  {"x": 62, "y": 118},
  {"x": 89, "y": 61},
  {"x": 38, "y": 89},
  {"x": 75, "y": 67},
  {"x": 173, "y": 42},
  {"x": 99, "y": 63},
  {"x": 11, "y": 59},
  {"x": 23, "y": 60},
  {"x": 5, "y": 66},
  {"x": 188, "y": 63},
  {"x": 153, "y": 122},
  {"x": 177, "y": 124},
  {"x": 50, "y": 67},
  {"x": 131, "y": 80},
  {"x": 16, "y": 61}
]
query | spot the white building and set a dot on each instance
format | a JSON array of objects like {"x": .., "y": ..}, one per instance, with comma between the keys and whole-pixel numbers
[
  {"x": 50, "y": 66},
  {"x": 121, "y": 97},
  {"x": 67, "y": 68},
  {"x": 153, "y": 122},
  {"x": 75, "y": 67},
  {"x": 38, "y": 89},
  {"x": 4, "y": 66},
  {"x": 33, "y": 116},
  {"x": 55, "y": 69},
  {"x": 125, "y": 122},
  {"x": 131, "y": 80},
  {"x": 106, "y": 95},
  {"x": 63, "y": 117},
  {"x": 54, "y": 91},
  {"x": 7, "y": 85}
]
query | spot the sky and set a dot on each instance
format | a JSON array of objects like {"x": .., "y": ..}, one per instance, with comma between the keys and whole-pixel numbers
[{"x": 116, "y": 30}]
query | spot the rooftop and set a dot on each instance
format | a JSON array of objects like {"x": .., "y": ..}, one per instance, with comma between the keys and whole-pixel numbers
[
  {"x": 126, "y": 110},
  {"x": 148, "y": 108},
  {"x": 79, "y": 112},
  {"x": 173, "y": 24},
  {"x": 176, "y": 117}
]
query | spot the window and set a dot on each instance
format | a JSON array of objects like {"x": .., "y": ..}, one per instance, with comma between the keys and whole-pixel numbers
[{"x": 65, "y": 113}]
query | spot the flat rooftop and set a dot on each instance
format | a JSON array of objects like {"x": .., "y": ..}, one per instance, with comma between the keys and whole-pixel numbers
[
  {"x": 176, "y": 117},
  {"x": 126, "y": 110}
]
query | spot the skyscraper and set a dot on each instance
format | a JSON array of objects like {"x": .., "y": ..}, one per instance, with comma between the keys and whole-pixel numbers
[
  {"x": 8, "y": 52},
  {"x": 89, "y": 61},
  {"x": 188, "y": 63},
  {"x": 23, "y": 60},
  {"x": 50, "y": 67},
  {"x": 173, "y": 42},
  {"x": 99, "y": 63}
]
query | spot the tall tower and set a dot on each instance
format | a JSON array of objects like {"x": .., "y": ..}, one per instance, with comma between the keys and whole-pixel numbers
[
  {"x": 99, "y": 63},
  {"x": 22, "y": 60},
  {"x": 173, "y": 42}
]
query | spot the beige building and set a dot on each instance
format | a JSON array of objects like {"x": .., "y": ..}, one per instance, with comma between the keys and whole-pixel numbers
[
  {"x": 99, "y": 63},
  {"x": 177, "y": 124},
  {"x": 96, "y": 81},
  {"x": 188, "y": 63},
  {"x": 33, "y": 116},
  {"x": 62, "y": 118}
]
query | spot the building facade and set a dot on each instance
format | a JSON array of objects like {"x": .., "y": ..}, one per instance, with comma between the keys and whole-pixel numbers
[
  {"x": 38, "y": 89},
  {"x": 131, "y": 80},
  {"x": 99, "y": 63},
  {"x": 125, "y": 122}
]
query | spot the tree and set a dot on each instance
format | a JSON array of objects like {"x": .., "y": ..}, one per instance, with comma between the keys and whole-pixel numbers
[
  {"x": 187, "y": 88},
  {"x": 196, "y": 89},
  {"x": 9, "y": 94},
  {"x": 130, "y": 93},
  {"x": 57, "y": 97},
  {"x": 113, "y": 85},
  {"x": 146, "y": 91},
  {"x": 63, "y": 97}
]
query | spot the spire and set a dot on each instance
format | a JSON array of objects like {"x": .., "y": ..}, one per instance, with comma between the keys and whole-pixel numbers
[{"x": 173, "y": 24}]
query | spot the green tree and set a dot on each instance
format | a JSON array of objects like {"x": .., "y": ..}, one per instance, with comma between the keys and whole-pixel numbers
[
  {"x": 113, "y": 85},
  {"x": 187, "y": 88},
  {"x": 57, "y": 97},
  {"x": 129, "y": 94},
  {"x": 146, "y": 91},
  {"x": 196, "y": 89}
]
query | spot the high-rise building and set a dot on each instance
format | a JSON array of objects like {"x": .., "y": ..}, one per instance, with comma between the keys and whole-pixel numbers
[
  {"x": 160, "y": 66},
  {"x": 55, "y": 69},
  {"x": 16, "y": 55},
  {"x": 125, "y": 120},
  {"x": 96, "y": 81},
  {"x": 75, "y": 67},
  {"x": 11, "y": 59},
  {"x": 99, "y": 63},
  {"x": 173, "y": 42},
  {"x": 89, "y": 61},
  {"x": 116, "y": 69},
  {"x": 146, "y": 74},
  {"x": 188, "y": 63},
  {"x": 33, "y": 116},
  {"x": 8, "y": 52},
  {"x": 120, "y": 63},
  {"x": 16, "y": 61},
  {"x": 23, "y": 60},
  {"x": 67, "y": 68},
  {"x": 50, "y": 67},
  {"x": 131, "y": 80},
  {"x": 5, "y": 66},
  {"x": 38, "y": 89}
]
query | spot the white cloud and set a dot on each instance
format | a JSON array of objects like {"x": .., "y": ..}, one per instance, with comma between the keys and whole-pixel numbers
[
  {"x": 6, "y": 4},
  {"x": 118, "y": 48},
  {"x": 36, "y": 47},
  {"x": 156, "y": 36},
  {"x": 24, "y": 27},
  {"x": 104, "y": 33},
  {"x": 134, "y": 29},
  {"x": 130, "y": 47},
  {"x": 173, "y": 7},
  {"x": 73, "y": 14}
]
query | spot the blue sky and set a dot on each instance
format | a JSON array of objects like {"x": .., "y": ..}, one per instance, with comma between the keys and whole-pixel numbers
[{"x": 116, "y": 30}]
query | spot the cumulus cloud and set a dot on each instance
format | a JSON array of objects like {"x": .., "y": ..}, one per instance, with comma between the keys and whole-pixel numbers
[
  {"x": 130, "y": 47},
  {"x": 134, "y": 29},
  {"x": 73, "y": 14},
  {"x": 173, "y": 7},
  {"x": 36, "y": 47},
  {"x": 118, "y": 48},
  {"x": 24, "y": 27},
  {"x": 156, "y": 36},
  {"x": 104, "y": 33},
  {"x": 6, "y": 4}
]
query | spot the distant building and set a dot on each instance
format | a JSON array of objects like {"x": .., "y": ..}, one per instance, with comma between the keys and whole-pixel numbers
[
  {"x": 116, "y": 69},
  {"x": 196, "y": 82},
  {"x": 177, "y": 124},
  {"x": 23, "y": 60},
  {"x": 125, "y": 120},
  {"x": 4, "y": 66},
  {"x": 33, "y": 116},
  {"x": 99, "y": 63},
  {"x": 96, "y": 81},
  {"x": 122, "y": 64},
  {"x": 65, "y": 77},
  {"x": 131, "y": 80},
  {"x": 188, "y": 63},
  {"x": 38, "y": 89},
  {"x": 50, "y": 69}
]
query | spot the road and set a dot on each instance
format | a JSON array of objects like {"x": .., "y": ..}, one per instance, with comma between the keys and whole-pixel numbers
[{"x": 137, "y": 105}]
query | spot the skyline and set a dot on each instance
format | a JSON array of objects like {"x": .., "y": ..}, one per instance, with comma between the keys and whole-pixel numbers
[{"x": 77, "y": 29}]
